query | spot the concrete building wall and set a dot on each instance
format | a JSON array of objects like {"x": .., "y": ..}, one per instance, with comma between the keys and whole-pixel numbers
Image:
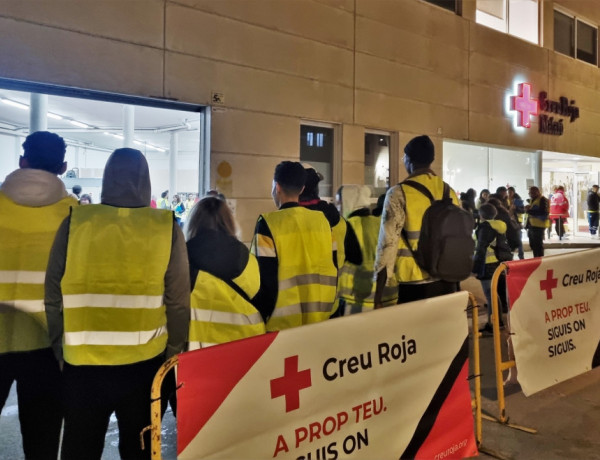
[{"x": 403, "y": 66}]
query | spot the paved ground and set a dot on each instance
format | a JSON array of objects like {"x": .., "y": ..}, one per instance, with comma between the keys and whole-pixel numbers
[{"x": 565, "y": 416}]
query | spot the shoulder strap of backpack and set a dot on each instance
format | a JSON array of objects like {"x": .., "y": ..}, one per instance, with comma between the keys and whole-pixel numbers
[{"x": 421, "y": 188}]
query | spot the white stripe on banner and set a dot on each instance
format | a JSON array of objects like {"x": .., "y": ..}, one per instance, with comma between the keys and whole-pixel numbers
[
  {"x": 22, "y": 277},
  {"x": 112, "y": 337},
  {"x": 198, "y": 345},
  {"x": 112, "y": 301},
  {"x": 214, "y": 316},
  {"x": 27, "y": 306}
]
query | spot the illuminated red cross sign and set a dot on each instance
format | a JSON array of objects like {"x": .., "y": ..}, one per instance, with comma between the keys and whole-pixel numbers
[
  {"x": 524, "y": 105},
  {"x": 548, "y": 284},
  {"x": 291, "y": 383}
]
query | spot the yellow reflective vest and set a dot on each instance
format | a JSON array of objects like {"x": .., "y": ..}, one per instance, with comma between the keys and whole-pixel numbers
[
  {"x": 407, "y": 270},
  {"x": 113, "y": 284},
  {"x": 357, "y": 287},
  {"x": 307, "y": 277},
  {"x": 533, "y": 221},
  {"x": 219, "y": 313},
  {"x": 490, "y": 254},
  {"x": 26, "y": 236}
]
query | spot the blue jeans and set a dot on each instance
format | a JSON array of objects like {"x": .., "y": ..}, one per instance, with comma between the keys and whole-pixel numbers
[{"x": 593, "y": 222}]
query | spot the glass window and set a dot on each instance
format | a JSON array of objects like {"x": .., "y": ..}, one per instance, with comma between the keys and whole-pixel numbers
[
  {"x": 587, "y": 39},
  {"x": 447, "y": 4},
  {"x": 523, "y": 19},
  {"x": 516, "y": 17},
  {"x": 564, "y": 34},
  {"x": 316, "y": 148},
  {"x": 479, "y": 166},
  {"x": 377, "y": 162}
]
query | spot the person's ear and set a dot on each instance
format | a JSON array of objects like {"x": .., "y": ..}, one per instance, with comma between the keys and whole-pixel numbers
[
  {"x": 23, "y": 162},
  {"x": 62, "y": 169}
]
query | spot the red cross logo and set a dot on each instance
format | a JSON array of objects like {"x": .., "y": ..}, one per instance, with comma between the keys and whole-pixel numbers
[
  {"x": 524, "y": 105},
  {"x": 548, "y": 284},
  {"x": 291, "y": 383}
]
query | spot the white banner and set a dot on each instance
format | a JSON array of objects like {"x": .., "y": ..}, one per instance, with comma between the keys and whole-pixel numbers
[
  {"x": 384, "y": 384},
  {"x": 554, "y": 317}
]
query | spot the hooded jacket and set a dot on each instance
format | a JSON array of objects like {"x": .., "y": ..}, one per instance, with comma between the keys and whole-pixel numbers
[{"x": 125, "y": 184}]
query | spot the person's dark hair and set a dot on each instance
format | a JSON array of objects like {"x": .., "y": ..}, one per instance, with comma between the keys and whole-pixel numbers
[
  {"x": 76, "y": 189},
  {"x": 45, "y": 150},
  {"x": 501, "y": 189},
  {"x": 291, "y": 176},
  {"x": 511, "y": 189},
  {"x": 485, "y": 190},
  {"x": 164, "y": 194},
  {"x": 496, "y": 202},
  {"x": 487, "y": 211},
  {"x": 311, "y": 185},
  {"x": 210, "y": 213},
  {"x": 87, "y": 197}
]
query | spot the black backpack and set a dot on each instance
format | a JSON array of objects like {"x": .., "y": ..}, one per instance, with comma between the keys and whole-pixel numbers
[
  {"x": 445, "y": 247},
  {"x": 502, "y": 249}
]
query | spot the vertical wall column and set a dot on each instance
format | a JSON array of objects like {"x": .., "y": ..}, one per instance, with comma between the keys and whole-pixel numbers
[
  {"x": 128, "y": 125},
  {"x": 38, "y": 112},
  {"x": 174, "y": 147}
]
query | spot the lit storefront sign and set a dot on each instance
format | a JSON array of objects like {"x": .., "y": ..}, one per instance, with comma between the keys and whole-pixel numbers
[{"x": 526, "y": 107}]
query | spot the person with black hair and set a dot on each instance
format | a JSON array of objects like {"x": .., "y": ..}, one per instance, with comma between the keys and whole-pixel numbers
[
  {"x": 403, "y": 211},
  {"x": 294, "y": 247},
  {"x": 537, "y": 221},
  {"x": 163, "y": 202},
  {"x": 76, "y": 192},
  {"x": 347, "y": 247},
  {"x": 483, "y": 197},
  {"x": 491, "y": 244},
  {"x": 33, "y": 203}
]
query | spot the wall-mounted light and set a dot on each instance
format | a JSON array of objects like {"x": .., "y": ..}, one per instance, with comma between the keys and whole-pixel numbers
[{"x": 16, "y": 104}]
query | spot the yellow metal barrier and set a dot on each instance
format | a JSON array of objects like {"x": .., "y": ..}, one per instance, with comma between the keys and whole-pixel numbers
[
  {"x": 155, "y": 409},
  {"x": 476, "y": 368},
  {"x": 501, "y": 365}
]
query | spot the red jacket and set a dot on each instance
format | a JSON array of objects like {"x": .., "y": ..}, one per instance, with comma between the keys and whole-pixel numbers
[{"x": 559, "y": 205}]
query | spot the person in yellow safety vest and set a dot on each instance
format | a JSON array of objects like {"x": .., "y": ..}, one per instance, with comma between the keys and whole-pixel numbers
[
  {"x": 356, "y": 286},
  {"x": 346, "y": 244},
  {"x": 33, "y": 203},
  {"x": 490, "y": 233},
  {"x": 537, "y": 220},
  {"x": 224, "y": 277},
  {"x": 163, "y": 201},
  {"x": 118, "y": 304},
  {"x": 403, "y": 209},
  {"x": 294, "y": 249}
]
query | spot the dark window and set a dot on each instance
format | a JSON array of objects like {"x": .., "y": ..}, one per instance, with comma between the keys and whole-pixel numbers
[
  {"x": 451, "y": 5},
  {"x": 316, "y": 148},
  {"x": 564, "y": 34},
  {"x": 587, "y": 39}
]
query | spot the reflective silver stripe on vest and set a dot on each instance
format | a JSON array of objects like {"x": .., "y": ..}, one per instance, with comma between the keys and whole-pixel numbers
[
  {"x": 214, "y": 316},
  {"x": 304, "y": 307},
  {"x": 404, "y": 252},
  {"x": 311, "y": 278},
  {"x": 113, "y": 337},
  {"x": 22, "y": 277},
  {"x": 112, "y": 301},
  {"x": 27, "y": 306},
  {"x": 413, "y": 235}
]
